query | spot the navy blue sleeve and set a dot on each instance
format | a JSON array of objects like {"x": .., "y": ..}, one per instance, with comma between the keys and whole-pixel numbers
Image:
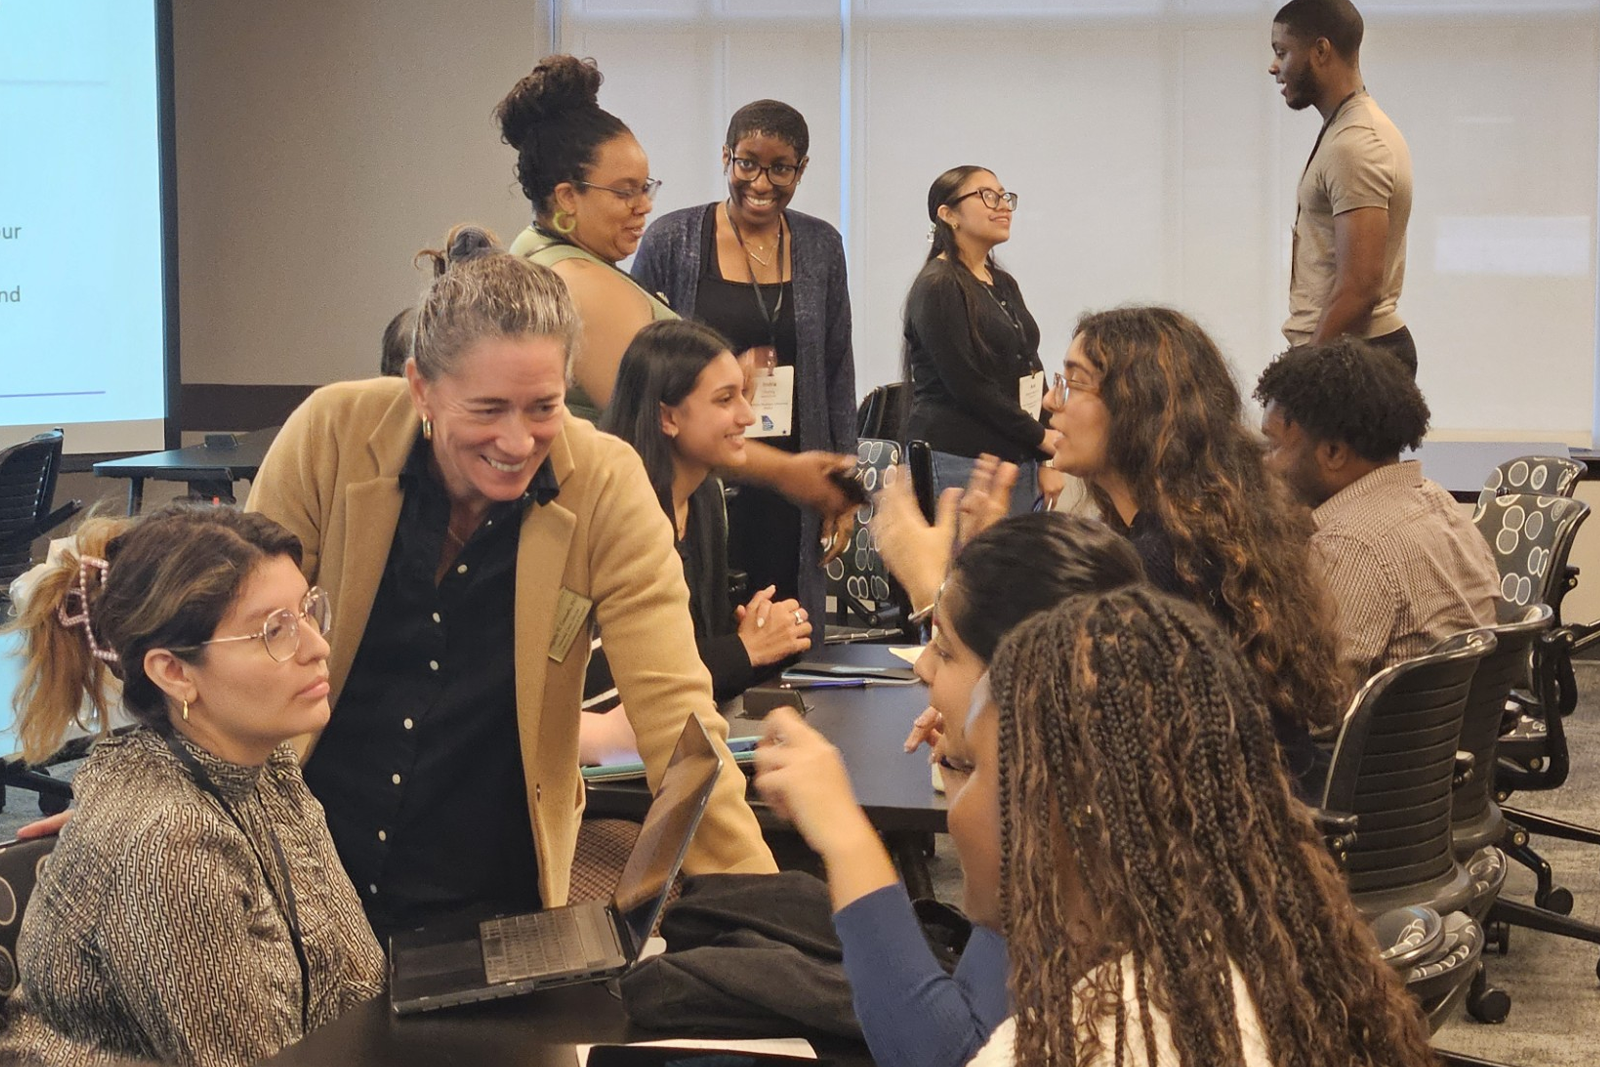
[{"x": 912, "y": 1013}]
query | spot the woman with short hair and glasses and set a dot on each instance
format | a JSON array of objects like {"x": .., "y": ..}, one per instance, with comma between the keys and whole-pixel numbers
[
  {"x": 589, "y": 182},
  {"x": 772, "y": 280},
  {"x": 972, "y": 348},
  {"x": 194, "y": 910}
]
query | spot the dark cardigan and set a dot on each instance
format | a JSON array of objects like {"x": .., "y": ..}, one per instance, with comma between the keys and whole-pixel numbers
[{"x": 668, "y": 261}]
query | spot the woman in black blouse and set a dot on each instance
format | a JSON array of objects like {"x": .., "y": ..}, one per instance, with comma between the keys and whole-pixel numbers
[
  {"x": 972, "y": 348},
  {"x": 680, "y": 402}
]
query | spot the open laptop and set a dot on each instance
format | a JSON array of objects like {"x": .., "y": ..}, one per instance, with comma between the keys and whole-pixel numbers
[{"x": 465, "y": 962}]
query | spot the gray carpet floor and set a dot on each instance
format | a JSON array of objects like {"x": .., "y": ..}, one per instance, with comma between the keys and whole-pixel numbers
[{"x": 1555, "y": 995}]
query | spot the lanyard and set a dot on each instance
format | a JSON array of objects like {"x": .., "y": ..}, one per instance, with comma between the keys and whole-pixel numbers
[
  {"x": 769, "y": 317},
  {"x": 1323, "y": 132},
  {"x": 291, "y": 913}
]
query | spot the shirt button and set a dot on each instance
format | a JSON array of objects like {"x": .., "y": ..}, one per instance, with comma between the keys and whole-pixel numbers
[
  {"x": 436, "y": 616},
  {"x": 395, "y": 779},
  {"x": 383, "y": 835},
  {"x": 408, "y": 724},
  {"x": 461, "y": 568},
  {"x": 433, "y": 664},
  {"x": 372, "y": 889}
]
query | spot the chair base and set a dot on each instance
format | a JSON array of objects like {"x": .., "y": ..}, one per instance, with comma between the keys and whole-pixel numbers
[{"x": 1548, "y": 827}]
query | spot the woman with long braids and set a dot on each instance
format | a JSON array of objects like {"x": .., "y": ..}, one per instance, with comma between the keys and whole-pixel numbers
[
  {"x": 1150, "y": 417},
  {"x": 1180, "y": 905},
  {"x": 911, "y": 1012},
  {"x": 971, "y": 346}
]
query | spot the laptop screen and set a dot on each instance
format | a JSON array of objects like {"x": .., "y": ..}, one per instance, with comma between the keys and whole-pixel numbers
[{"x": 668, "y": 828}]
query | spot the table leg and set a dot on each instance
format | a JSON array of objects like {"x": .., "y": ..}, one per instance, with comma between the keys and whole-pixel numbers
[
  {"x": 135, "y": 495},
  {"x": 908, "y": 851}
]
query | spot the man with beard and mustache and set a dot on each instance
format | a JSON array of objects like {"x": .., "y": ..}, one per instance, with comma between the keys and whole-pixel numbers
[{"x": 1355, "y": 193}]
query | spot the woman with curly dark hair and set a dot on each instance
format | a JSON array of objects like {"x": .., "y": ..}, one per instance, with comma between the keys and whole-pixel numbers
[
  {"x": 1184, "y": 908},
  {"x": 1151, "y": 419}
]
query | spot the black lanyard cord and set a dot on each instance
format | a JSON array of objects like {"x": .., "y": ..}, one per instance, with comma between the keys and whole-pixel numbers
[
  {"x": 769, "y": 317},
  {"x": 290, "y": 910}
]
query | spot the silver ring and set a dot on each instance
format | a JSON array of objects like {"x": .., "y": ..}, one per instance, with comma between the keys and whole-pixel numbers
[{"x": 799, "y": 617}]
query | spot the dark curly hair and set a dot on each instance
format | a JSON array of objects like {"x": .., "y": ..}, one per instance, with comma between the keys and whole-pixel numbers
[
  {"x": 1178, "y": 439},
  {"x": 773, "y": 118},
  {"x": 1149, "y": 839},
  {"x": 553, "y": 118},
  {"x": 1348, "y": 391}
]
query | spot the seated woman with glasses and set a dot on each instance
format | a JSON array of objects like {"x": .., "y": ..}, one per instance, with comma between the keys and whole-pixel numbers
[
  {"x": 1126, "y": 817},
  {"x": 589, "y": 183},
  {"x": 972, "y": 348},
  {"x": 911, "y": 1012},
  {"x": 194, "y": 910},
  {"x": 772, "y": 281},
  {"x": 1150, "y": 418},
  {"x": 680, "y": 402}
]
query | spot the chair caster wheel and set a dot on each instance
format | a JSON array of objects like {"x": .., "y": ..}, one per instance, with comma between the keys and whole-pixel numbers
[
  {"x": 52, "y": 805},
  {"x": 1597, "y": 969},
  {"x": 1489, "y": 1005},
  {"x": 1558, "y": 900}
]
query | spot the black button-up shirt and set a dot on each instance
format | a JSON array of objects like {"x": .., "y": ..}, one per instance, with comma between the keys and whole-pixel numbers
[{"x": 420, "y": 768}]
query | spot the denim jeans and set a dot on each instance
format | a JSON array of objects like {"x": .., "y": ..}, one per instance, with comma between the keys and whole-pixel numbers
[{"x": 952, "y": 470}]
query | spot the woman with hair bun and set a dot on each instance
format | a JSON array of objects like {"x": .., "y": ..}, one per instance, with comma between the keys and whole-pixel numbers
[
  {"x": 772, "y": 280},
  {"x": 589, "y": 183},
  {"x": 194, "y": 910}
]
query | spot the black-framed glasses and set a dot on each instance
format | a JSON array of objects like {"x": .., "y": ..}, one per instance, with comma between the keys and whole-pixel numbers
[
  {"x": 779, "y": 174},
  {"x": 647, "y": 191},
  {"x": 280, "y": 633},
  {"x": 991, "y": 199}
]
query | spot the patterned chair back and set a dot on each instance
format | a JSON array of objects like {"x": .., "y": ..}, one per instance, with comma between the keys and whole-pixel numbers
[
  {"x": 21, "y": 863},
  {"x": 857, "y": 579},
  {"x": 1546, "y": 475},
  {"x": 1531, "y": 537}
]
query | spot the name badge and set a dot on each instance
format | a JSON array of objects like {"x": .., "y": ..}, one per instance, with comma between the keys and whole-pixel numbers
[
  {"x": 1030, "y": 393},
  {"x": 572, "y": 611},
  {"x": 773, "y": 402}
]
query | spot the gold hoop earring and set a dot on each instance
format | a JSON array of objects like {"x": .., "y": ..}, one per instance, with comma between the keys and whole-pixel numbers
[
  {"x": 427, "y": 428},
  {"x": 564, "y": 222},
  {"x": 185, "y": 711}
]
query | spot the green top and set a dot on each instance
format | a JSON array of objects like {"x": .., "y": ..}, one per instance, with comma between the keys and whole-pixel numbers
[{"x": 547, "y": 251}]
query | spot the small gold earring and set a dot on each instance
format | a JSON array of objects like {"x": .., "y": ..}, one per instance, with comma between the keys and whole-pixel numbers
[
  {"x": 185, "y": 711},
  {"x": 427, "y": 428}
]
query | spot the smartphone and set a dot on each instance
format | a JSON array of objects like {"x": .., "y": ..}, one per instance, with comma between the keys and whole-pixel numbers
[
  {"x": 761, "y": 699},
  {"x": 849, "y": 483}
]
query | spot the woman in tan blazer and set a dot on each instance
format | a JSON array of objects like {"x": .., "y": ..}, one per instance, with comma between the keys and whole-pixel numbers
[{"x": 458, "y": 645}]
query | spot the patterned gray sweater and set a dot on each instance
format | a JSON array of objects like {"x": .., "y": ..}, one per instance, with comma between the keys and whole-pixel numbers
[{"x": 154, "y": 934}]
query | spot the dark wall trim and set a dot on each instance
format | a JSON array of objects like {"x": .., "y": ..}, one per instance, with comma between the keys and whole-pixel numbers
[
  {"x": 166, "y": 118},
  {"x": 226, "y": 408}
]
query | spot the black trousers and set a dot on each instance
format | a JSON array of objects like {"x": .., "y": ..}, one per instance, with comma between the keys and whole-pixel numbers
[{"x": 1400, "y": 345}]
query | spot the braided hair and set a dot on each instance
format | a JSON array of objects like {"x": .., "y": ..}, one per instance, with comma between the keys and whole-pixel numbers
[{"x": 1140, "y": 786}]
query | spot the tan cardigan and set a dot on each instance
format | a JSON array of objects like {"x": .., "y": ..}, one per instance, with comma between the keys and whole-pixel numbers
[{"x": 332, "y": 477}]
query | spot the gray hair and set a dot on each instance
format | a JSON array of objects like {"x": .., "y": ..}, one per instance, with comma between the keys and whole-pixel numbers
[{"x": 493, "y": 295}]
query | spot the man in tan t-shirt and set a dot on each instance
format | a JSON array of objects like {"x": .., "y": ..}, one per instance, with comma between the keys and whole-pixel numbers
[{"x": 1355, "y": 194}]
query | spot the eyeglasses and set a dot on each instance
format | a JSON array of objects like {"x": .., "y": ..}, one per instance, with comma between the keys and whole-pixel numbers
[
  {"x": 1063, "y": 387},
  {"x": 991, "y": 199},
  {"x": 647, "y": 191},
  {"x": 281, "y": 632},
  {"x": 779, "y": 174}
]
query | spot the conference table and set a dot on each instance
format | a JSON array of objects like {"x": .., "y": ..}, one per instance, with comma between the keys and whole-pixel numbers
[
  {"x": 868, "y": 725},
  {"x": 209, "y": 469}
]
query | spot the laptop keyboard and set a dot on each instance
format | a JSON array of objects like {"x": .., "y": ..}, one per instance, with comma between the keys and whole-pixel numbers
[{"x": 543, "y": 943}]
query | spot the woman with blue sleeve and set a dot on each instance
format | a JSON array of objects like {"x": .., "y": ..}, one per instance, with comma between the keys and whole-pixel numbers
[
  {"x": 912, "y": 1013},
  {"x": 772, "y": 281}
]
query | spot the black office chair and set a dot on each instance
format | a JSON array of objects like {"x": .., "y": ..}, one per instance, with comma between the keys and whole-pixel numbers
[
  {"x": 1390, "y": 790},
  {"x": 20, "y": 865},
  {"x": 878, "y": 415},
  {"x": 27, "y": 486}
]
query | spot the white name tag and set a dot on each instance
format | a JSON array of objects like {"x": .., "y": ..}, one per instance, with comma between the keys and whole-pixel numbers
[
  {"x": 1030, "y": 393},
  {"x": 773, "y": 402}
]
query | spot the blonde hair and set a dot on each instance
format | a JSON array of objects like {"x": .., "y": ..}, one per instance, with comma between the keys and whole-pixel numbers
[
  {"x": 169, "y": 579},
  {"x": 480, "y": 291}
]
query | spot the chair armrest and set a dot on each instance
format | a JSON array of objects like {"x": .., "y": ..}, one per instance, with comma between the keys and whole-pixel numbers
[
  {"x": 1466, "y": 769},
  {"x": 1338, "y": 829}
]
